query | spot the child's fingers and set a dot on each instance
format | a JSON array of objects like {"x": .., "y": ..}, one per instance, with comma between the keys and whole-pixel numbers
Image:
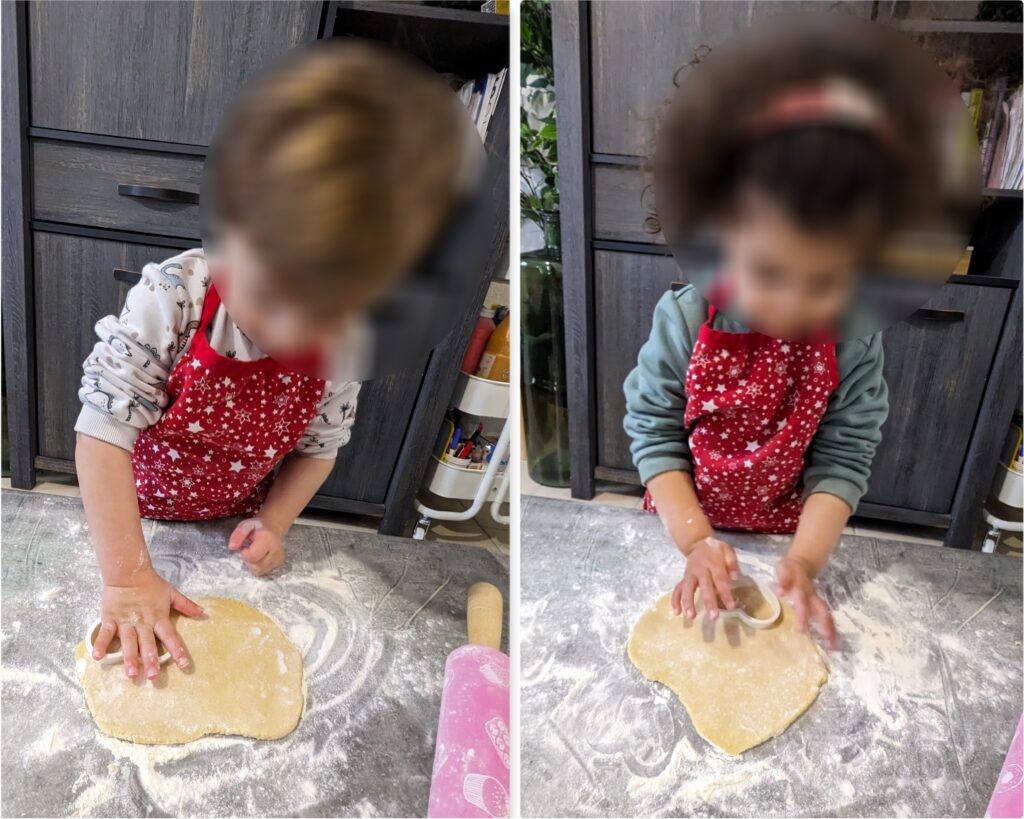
[
  {"x": 103, "y": 638},
  {"x": 826, "y": 625},
  {"x": 169, "y": 636},
  {"x": 129, "y": 650},
  {"x": 732, "y": 565},
  {"x": 271, "y": 561},
  {"x": 783, "y": 577},
  {"x": 256, "y": 550},
  {"x": 707, "y": 594},
  {"x": 147, "y": 648},
  {"x": 799, "y": 601},
  {"x": 722, "y": 586},
  {"x": 243, "y": 532},
  {"x": 677, "y": 596},
  {"x": 180, "y": 602}
]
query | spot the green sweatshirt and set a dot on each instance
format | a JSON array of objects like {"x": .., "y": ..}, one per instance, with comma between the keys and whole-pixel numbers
[{"x": 840, "y": 455}]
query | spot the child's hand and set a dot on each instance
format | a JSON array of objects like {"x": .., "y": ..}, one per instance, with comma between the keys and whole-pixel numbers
[
  {"x": 794, "y": 582},
  {"x": 258, "y": 544},
  {"x": 139, "y": 615},
  {"x": 710, "y": 565}
]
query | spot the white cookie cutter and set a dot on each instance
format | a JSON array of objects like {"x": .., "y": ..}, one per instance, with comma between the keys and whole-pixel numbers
[
  {"x": 766, "y": 592},
  {"x": 111, "y": 657}
]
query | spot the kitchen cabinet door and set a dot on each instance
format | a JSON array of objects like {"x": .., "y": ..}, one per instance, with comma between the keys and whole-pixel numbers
[{"x": 74, "y": 288}]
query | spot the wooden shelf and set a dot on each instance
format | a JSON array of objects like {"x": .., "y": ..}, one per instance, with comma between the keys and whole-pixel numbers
[
  {"x": 956, "y": 27},
  {"x": 427, "y": 12}
]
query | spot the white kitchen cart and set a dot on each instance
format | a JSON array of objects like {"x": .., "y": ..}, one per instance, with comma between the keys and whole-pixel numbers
[{"x": 487, "y": 399}]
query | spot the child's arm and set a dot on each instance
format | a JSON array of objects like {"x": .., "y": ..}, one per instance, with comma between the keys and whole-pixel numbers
[
  {"x": 136, "y": 602},
  {"x": 839, "y": 466},
  {"x": 821, "y": 524},
  {"x": 655, "y": 409},
  {"x": 123, "y": 392},
  {"x": 710, "y": 562},
  {"x": 258, "y": 539}
]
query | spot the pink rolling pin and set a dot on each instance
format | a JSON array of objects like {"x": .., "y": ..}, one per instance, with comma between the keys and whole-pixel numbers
[{"x": 471, "y": 757}]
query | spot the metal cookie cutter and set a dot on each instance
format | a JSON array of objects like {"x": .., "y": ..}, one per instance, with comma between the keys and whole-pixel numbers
[
  {"x": 745, "y": 581},
  {"x": 114, "y": 657}
]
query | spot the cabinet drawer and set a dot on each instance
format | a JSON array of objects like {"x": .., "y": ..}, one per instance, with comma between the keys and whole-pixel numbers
[
  {"x": 116, "y": 188},
  {"x": 157, "y": 70},
  {"x": 936, "y": 372},
  {"x": 74, "y": 288}
]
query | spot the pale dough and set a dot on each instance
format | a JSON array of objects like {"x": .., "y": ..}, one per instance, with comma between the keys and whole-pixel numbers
[
  {"x": 245, "y": 679},
  {"x": 741, "y": 686}
]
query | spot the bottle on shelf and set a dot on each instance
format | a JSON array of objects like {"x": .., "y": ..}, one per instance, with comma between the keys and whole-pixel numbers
[
  {"x": 495, "y": 363},
  {"x": 478, "y": 341}
]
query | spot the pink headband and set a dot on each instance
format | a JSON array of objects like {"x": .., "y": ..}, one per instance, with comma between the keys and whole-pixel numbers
[{"x": 835, "y": 100}]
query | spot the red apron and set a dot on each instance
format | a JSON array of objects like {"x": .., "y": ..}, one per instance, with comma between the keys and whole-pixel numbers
[
  {"x": 753, "y": 405},
  {"x": 213, "y": 452}
]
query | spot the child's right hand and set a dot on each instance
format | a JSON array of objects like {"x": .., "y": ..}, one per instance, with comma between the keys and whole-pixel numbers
[
  {"x": 139, "y": 615},
  {"x": 710, "y": 566}
]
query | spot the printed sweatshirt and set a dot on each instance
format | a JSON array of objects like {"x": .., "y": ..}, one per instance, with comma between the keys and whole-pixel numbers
[
  {"x": 840, "y": 454},
  {"x": 124, "y": 384}
]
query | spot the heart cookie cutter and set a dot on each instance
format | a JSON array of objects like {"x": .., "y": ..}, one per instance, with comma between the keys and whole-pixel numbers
[
  {"x": 745, "y": 581},
  {"x": 113, "y": 657}
]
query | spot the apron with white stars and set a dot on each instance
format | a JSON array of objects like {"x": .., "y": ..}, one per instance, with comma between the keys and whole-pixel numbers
[
  {"x": 753, "y": 405},
  {"x": 213, "y": 452}
]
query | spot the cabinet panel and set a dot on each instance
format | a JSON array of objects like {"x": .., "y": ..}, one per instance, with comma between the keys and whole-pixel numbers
[
  {"x": 627, "y": 287},
  {"x": 936, "y": 373},
  {"x": 636, "y": 49},
  {"x": 78, "y": 184},
  {"x": 364, "y": 466},
  {"x": 156, "y": 70},
  {"x": 621, "y": 204},
  {"x": 74, "y": 288}
]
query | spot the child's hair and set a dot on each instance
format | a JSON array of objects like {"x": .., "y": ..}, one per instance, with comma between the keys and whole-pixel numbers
[
  {"x": 753, "y": 115},
  {"x": 341, "y": 166}
]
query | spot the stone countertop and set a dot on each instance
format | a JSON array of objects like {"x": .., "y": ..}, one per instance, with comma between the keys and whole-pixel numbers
[
  {"x": 374, "y": 616},
  {"x": 922, "y": 702}
]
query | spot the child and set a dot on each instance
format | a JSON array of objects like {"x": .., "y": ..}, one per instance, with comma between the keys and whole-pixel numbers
[
  {"x": 207, "y": 397},
  {"x": 794, "y": 160}
]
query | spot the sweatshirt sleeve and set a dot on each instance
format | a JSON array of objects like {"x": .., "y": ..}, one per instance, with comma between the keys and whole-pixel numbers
[
  {"x": 331, "y": 427},
  {"x": 840, "y": 455},
  {"x": 656, "y": 388},
  {"x": 125, "y": 376}
]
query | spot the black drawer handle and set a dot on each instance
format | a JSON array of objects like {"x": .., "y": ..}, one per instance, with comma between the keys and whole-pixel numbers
[
  {"x": 931, "y": 314},
  {"x": 162, "y": 194},
  {"x": 127, "y": 276}
]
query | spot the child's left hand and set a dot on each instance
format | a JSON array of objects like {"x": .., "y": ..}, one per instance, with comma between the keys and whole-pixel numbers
[
  {"x": 258, "y": 544},
  {"x": 794, "y": 582}
]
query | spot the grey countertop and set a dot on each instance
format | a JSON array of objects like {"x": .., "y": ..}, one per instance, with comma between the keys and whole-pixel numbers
[
  {"x": 921, "y": 705},
  {"x": 375, "y": 617}
]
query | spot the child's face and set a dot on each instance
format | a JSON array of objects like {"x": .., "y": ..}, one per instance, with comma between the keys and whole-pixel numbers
[
  {"x": 787, "y": 282},
  {"x": 276, "y": 324}
]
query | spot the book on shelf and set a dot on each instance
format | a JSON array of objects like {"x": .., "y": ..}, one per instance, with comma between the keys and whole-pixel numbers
[
  {"x": 996, "y": 112},
  {"x": 480, "y": 96}
]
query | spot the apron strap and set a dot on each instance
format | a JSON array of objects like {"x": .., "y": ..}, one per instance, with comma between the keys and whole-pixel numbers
[{"x": 210, "y": 305}]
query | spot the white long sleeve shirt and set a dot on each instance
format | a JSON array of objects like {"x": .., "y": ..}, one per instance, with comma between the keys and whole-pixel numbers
[{"x": 124, "y": 384}]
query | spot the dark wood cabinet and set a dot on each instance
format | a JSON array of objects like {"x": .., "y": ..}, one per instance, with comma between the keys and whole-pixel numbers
[
  {"x": 954, "y": 376},
  {"x": 164, "y": 71},
  {"x": 99, "y": 95}
]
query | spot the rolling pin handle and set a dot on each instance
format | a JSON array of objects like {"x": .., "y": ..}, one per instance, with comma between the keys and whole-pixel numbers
[{"x": 484, "y": 615}]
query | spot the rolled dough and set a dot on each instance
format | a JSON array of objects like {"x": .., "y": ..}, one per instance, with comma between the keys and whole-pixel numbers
[
  {"x": 741, "y": 686},
  {"x": 245, "y": 679}
]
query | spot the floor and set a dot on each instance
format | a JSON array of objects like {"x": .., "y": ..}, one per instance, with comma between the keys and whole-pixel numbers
[
  {"x": 632, "y": 497},
  {"x": 481, "y": 531}
]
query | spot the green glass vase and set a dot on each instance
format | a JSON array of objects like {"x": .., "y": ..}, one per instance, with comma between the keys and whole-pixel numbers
[{"x": 545, "y": 405}]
